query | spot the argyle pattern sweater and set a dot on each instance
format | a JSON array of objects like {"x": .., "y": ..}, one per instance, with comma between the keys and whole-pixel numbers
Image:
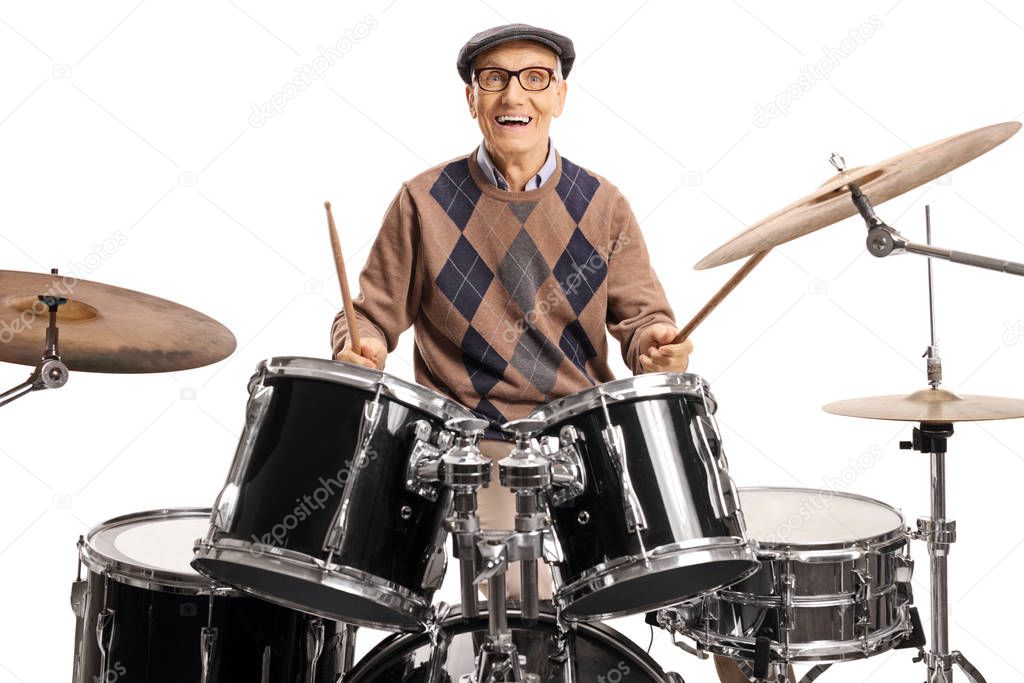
[{"x": 510, "y": 293}]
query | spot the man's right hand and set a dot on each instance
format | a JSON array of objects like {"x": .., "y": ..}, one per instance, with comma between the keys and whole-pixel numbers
[{"x": 372, "y": 354}]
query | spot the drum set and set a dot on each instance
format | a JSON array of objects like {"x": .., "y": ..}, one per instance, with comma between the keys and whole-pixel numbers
[{"x": 348, "y": 484}]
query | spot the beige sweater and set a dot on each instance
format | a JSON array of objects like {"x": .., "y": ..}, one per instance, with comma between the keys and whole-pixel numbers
[{"x": 510, "y": 293}]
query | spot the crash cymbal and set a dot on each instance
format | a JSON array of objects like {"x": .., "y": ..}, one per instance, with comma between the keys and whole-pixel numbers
[
  {"x": 880, "y": 182},
  {"x": 104, "y": 328},
  {"x": 930, "y": 405}
]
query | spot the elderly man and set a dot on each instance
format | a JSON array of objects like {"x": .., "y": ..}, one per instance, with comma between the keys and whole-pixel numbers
[{"x": 511, "y": 262}]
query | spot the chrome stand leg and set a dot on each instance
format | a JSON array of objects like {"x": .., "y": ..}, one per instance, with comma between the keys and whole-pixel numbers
[{"x": 940, "y": 533}]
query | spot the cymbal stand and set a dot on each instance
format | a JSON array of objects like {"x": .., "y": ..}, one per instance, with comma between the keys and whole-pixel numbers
[
  {"x": 51, "y": 372},
  {"x": 883, "y": 239},
  {"x": 936, "y": 530}
]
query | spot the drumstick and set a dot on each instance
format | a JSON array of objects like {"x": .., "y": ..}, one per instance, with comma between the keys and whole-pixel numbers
[
  {"x": 720, "y": 296},
  {"x": 346, "y": 297}
]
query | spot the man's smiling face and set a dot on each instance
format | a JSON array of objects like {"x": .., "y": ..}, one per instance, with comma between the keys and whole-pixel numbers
[{"x": 509, "y": 138}]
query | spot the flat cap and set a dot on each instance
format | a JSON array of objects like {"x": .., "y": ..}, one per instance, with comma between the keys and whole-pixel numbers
[{"x": 492, "y": 37}]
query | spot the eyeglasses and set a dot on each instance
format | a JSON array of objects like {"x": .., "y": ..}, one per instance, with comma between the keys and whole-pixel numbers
[{"x": 532, "y": 78}]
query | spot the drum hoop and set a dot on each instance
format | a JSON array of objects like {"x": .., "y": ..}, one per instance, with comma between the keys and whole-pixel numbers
[
  {"x": 647, "y": 386},
  {"x": 146, "y": 578},
  {"x": 658, "y": 559},
  {"x": 305, "y": 567},
  {"x": 888, "y": 541},
  {"x": 408, "y": 393}
]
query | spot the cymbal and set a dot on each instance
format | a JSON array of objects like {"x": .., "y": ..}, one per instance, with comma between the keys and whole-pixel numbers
[
  {"x": 103, "y": 328},
  {"x": 930, "y": 405},
  {"x": 880, "y": 182}
]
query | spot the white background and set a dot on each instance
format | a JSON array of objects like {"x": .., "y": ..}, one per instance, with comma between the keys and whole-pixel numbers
[{"x": 132, "y": 120}]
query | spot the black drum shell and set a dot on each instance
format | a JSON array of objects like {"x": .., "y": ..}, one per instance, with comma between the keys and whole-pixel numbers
[
  {"x": 306, "y": 446},
  {"x": 670, "y": 474},
  {"x": 157, "y": 638}
]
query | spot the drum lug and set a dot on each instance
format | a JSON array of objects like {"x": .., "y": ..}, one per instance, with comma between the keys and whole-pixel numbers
[
  {"x": 437, "y": 563},
  {"x": 256, "y": 410},
  {"x": 568, "y": 475},
  {"x": 787, "y": 617},
  {"x": 904, "y": 569},
  {"x": 615, "y": 442},
  {"x": 314, "y": 647},
  {"x": 372, "y": 412},
  {"x": 79, "y": 597},
  {"x": 207, "y": 646},
  {"x": 862, "y": 595},
  {"x": 106, "y": 627},
  {"x": 725, "y": 506}
]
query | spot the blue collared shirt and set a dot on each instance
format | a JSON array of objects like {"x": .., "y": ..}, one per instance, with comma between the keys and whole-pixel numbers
[{"x": 494, "y": 175}]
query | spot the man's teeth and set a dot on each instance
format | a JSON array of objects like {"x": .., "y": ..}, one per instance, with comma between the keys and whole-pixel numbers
[{"x": 513, "y": 119}]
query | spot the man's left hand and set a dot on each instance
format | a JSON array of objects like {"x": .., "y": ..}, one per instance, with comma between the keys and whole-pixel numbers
[{"x": 659, "y": 354}]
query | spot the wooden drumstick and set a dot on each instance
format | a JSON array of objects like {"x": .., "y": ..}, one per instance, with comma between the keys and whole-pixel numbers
[
  {"x": 720, "y": 296},
  {"x": 346, "y": 296}
]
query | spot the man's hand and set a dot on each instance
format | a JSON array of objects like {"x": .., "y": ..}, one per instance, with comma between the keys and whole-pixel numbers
[
  {"x": 659, "y": 354},
  {"x": 371, "y": 355}
]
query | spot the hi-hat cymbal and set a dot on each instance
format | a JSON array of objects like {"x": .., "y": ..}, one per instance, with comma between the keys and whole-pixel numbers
[
  {"x": 880, "y": 182},
  {"x": 930, "y": 405},
  {"x": 104, "y": 328}
]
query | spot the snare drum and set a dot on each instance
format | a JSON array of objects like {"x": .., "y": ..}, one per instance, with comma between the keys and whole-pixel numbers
[
  {"x": 834, "y": 582},
  {"x": 320, "y": 511},
  {"x": 145, "y": 615},
  {"x": 653, "y": 516}
]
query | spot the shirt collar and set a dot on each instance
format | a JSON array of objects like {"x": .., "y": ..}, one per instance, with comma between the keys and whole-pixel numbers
[{"x": 491, "y": 172}]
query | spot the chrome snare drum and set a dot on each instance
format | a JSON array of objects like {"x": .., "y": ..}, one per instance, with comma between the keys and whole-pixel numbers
[
  {"x": 834, "y": 582},
  {"x": 318, "y": 513},
  {"x": 652, "y": 515},
  {"x": 145, "y": 615}
]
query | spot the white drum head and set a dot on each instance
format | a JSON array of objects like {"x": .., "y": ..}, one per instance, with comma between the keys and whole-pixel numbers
[
  {"x": 153, "y": 546},
  {"x": 816, "y": 518}
]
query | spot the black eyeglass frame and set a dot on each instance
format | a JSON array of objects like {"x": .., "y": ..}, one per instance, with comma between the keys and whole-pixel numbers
[{"x": 509, "y": 74}]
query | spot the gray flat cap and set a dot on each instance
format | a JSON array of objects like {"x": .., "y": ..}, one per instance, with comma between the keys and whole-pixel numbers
[{"x": 485, "y": 40}]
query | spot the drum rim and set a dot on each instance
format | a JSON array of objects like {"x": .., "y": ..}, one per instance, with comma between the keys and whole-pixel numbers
[
  {"x": 805, "y": 551},
  {"x": 382, "y": 651},
  {"x": 296, "y": 565},
  {"x": 407, "y": 393},
  {"x": 662, "y": 558},
  {"x": 131, "y": 574},
  {"x": 648, "y": 385}
]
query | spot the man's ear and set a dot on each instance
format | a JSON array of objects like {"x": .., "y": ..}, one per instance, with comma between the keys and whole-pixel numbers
[
  {"x": 469, "y": 101},
  {"x": 560, "y": 98}
]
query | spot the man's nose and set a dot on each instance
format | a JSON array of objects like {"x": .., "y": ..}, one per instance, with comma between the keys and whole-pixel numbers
[{"x": 513, "y": 92}]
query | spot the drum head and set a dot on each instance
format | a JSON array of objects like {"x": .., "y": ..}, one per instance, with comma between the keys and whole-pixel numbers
[
  {"x": 813, "y": 518},
  {"x": 149, "y": 549}
]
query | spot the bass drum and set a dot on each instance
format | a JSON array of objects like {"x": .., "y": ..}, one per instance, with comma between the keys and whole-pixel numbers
[{"x": 597, "y": 653}]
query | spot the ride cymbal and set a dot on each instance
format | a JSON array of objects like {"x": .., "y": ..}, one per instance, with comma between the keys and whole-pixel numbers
[
  {"x": 103, "y": 328},
  {"x": 929, "y": 405},
  {"x": 880, "y": 182}
]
